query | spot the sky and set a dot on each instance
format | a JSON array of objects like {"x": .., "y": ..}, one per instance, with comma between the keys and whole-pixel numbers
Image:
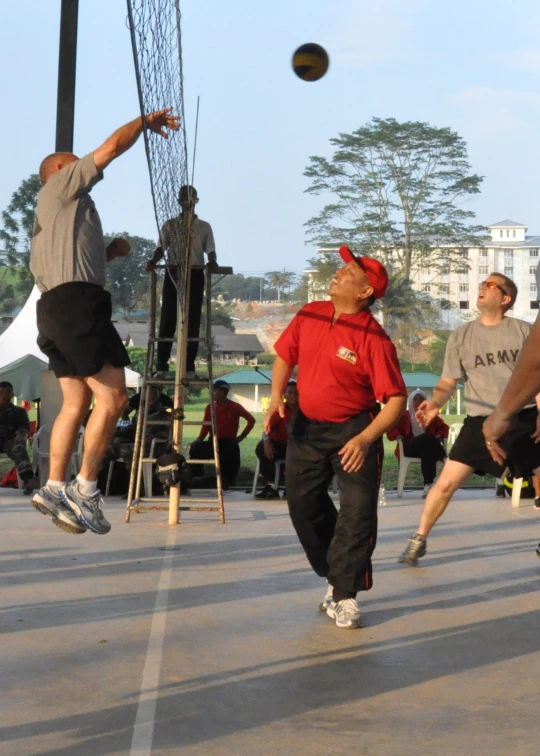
[{"x": 473, "y": 66}]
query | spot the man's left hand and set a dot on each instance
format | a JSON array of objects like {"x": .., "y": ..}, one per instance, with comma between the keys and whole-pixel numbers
[
  {"x": 353, "y": 454},
  {"x": 494, "y": 429}
]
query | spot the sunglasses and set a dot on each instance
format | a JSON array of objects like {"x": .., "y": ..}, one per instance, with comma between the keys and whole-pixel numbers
[{"x": 493, "y": 285}]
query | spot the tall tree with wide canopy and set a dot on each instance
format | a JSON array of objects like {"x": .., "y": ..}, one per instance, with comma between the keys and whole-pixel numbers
[{"x": 398, "y": 191}]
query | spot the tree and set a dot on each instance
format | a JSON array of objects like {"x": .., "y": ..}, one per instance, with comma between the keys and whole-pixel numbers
[
  {"x": 127, "y": 279},
  {"x": 16, "y": 235},
  {"x": 280, "y": 279},
  {"x": 401, "y": 306},
  {"x": 397, "y": 192}
]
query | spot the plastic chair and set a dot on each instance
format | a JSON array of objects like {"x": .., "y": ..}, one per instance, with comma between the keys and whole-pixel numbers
[
  {"x": 453, "y": 433},
  {"x": 404, "y": 463},
  {"x": 280, "y": 463},
  {"x": 516, "y": 489},
  {"x": 74, "y": 461}
]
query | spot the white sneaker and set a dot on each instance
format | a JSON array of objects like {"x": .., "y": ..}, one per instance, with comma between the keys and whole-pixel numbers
[
  {"x": 427, "y": 489},
  {"x": 346, "y": 613},
  {"x": 323, "y": 606}
]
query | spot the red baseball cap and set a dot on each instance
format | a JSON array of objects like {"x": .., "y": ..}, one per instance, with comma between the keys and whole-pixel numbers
[{"x": 374, "y": 270}]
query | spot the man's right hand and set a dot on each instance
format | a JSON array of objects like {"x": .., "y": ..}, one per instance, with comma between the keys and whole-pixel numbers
[
  {"x": 427, "y": 412},
  {"x": 161, "y": 120},
  {"x": 276, "y": 407},
  {"x": 150, "y": 266}
]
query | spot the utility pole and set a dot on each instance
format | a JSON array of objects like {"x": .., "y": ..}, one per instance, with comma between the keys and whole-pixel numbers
[{"x": 67, "y": 61}]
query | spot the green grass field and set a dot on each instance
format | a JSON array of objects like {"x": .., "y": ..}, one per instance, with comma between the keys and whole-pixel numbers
[{"x": 390, "y": 467}]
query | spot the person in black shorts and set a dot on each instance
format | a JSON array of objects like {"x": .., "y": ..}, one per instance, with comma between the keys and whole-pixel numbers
[
  {"x": 483, "y": 353},
  {"x": 68, "y": 259}
]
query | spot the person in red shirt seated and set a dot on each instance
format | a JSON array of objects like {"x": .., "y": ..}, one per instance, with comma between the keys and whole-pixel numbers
[
  {"x": 228, "y": 414},
  {"x": 425, "y": 443},
  {"x": 273, "y": 446}
]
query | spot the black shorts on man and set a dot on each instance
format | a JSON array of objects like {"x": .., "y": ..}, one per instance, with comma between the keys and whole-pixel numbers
[
  {"x": 75, "y": 330},
  {"x": 523, "y": 454}
]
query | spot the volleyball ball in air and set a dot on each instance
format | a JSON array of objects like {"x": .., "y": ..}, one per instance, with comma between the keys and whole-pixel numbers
[{"x": 310, "y": 62}]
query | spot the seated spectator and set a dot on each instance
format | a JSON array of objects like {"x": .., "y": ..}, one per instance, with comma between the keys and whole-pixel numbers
[
  {"x": 158, "y": 402},
  {"x": 14, "y": 428},
  {"x": 273, "y": 446},
  {"x": 228, "y": 414},
  {"x": 421, "y": 442}
]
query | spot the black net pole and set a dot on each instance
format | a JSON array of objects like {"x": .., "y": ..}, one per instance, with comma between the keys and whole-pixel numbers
[{"x": 67, "y": 63}]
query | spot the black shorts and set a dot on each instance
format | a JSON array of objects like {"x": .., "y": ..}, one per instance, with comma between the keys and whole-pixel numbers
[
  {"x": 75, "y": 330},
  {"x": 523, "y": 454}
]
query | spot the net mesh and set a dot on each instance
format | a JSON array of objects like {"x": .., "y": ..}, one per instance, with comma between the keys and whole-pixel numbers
[{"x": 157, "y": 54}]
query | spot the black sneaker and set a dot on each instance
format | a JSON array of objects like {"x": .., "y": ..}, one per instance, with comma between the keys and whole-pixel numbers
[
  {"x": 537, "y": 502},
  {"x": 416, "y": 549},
  {"x": 501, "y": 491},
  {"x": 268, "y": 492}
]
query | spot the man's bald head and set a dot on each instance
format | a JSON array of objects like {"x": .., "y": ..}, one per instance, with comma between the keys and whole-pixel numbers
[{"x": 54, "y": 163}]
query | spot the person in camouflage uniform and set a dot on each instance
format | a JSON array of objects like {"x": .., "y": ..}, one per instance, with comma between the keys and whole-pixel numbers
[{"x": 14, "y": 428}]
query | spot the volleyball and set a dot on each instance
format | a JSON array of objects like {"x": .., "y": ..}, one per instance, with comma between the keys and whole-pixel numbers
[{"x": 310, "y": 62}]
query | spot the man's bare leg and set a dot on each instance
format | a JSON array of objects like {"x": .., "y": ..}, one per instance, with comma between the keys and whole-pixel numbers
[
  {"x": 48, "y": 500},
  {"x": 77, "y": 396},
  {"x": 453, "y": 475},
  {"x": 109, "y": 389}
]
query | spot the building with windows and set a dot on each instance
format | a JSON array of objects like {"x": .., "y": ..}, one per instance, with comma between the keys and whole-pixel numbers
[{"x": 508, "y": 249}]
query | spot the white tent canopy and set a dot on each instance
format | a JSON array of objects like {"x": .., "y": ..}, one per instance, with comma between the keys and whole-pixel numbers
[{"x": 20, "y": 340}]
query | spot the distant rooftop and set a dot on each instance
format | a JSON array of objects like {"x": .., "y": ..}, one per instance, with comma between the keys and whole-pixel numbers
[{"x": 508, "y": 224}]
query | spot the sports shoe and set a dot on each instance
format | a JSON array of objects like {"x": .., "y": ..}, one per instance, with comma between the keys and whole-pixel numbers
[
  {"x": 163, "y": 375},
  {"x": 268, "y": 492},
  {"x": 416, "y": 549},
  {"x": 327, "y": 600},
  {"x": 87, "y": 509},
  {"x": 346, "y": 613},
  {"x": 537, "y": 502},
  {"x": 427, "y": 489},
  {"x": 500, "y": 491},
  {"x": 191, "y": 375},
  {"x": 49, "y": 502}
]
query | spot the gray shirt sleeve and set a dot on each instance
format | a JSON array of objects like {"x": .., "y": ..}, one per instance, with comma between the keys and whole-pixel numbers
[
  {"x": 77, "y": 178},
  {"x": 452, "y": 367}
]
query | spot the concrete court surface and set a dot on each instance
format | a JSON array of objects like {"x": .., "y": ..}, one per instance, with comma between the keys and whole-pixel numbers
[{"x": 205, "y": 639}]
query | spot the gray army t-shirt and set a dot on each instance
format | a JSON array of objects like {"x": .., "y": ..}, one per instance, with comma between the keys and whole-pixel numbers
[
  {"x": 68, "y": 243},
  {"x": 484, "y": 358}
]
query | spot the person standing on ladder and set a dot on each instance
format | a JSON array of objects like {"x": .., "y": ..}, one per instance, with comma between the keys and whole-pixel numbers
[{"x": 199, "y": 242}]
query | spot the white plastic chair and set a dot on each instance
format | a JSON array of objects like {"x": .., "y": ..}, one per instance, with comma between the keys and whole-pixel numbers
[
  {"x": 404, "y": 463},
  {"x": 38, "y": 454},
  {"x": 453, "y": 433},
  {"x": 280, "y": 463},
  {"x": 148, "y": 465},
  {"x": 516, "y": 489}
]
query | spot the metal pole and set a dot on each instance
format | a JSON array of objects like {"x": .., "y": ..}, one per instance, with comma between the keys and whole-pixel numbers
[{"x": 67, "y": 62}]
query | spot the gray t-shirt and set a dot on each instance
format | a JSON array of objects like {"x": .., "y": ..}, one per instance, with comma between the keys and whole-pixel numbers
[
  {"x": 172, "y": 239},
  {"x": 68, "y": 244},
  {"x": 484, "y": 358}
]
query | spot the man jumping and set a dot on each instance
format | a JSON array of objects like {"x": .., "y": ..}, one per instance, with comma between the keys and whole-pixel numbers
[{"x": 68, "y": 260}]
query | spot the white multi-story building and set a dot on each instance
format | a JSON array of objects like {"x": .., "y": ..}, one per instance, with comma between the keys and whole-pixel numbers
[{"x": 508, "y": 249}]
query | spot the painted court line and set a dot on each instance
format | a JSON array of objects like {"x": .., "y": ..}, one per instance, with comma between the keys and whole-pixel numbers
[{"x": 143, "y": 731}]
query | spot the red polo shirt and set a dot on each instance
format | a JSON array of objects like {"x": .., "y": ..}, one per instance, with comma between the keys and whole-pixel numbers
[
  {"x": 343, "y": 368},
  {"x": 227, "y": 418},
  {"x": 279, "y": 430}
]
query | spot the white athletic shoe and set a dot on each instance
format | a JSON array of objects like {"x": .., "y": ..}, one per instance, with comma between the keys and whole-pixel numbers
[
  {"x": 49, "y": 502},
  {"x": 346, "y": 613},
  {"x": 323, "y": 606}
]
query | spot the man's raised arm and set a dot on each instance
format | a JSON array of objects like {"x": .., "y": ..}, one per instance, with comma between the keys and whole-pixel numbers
[{"x": 126, "y": 136}]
